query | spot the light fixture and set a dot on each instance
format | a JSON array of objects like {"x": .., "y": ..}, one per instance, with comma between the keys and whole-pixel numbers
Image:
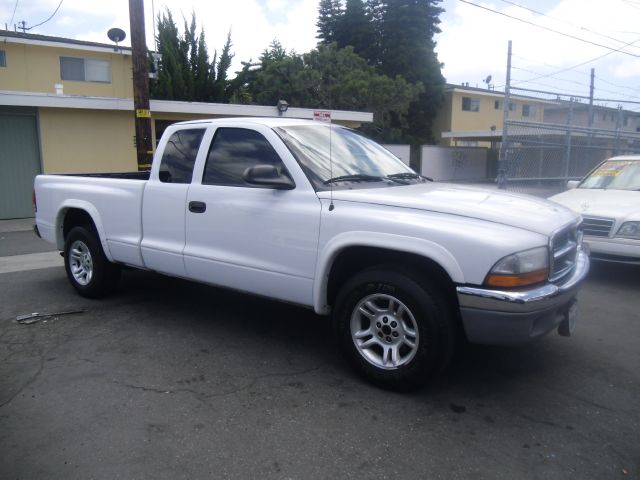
[{"x": 282, "y": 106}]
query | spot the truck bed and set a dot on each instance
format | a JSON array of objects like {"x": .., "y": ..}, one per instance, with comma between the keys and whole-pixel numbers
[{"x": 121, "y": 175}]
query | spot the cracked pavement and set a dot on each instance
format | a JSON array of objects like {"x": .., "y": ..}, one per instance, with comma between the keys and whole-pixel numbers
[{"x": 171, "y": 379}]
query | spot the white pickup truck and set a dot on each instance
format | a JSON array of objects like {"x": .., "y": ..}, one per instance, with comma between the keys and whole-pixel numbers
[{"x": 317, "y": 215}]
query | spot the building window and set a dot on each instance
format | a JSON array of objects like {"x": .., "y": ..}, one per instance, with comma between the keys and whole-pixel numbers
[
  {"x": 85, "y": 70},
  {"x": 497, "y": 104},
  {"x": 512, "y": 107},
  {"x": 470, "y": 104},
  {"x": 3, "y": 58},
  {"x": 528, "y": 111}
]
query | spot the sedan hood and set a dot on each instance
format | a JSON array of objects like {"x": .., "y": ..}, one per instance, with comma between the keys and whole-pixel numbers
[
  {"x": 597, "y": 202},
  {"x": 522, "y": 211}
]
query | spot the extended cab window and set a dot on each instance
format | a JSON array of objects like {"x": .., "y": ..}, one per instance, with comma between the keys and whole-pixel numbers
[
  {"x": 179, "y": 155},
  {"x": 232, "y": 151}
]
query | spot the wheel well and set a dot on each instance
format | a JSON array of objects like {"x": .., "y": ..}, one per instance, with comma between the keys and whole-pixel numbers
[
  {"x": 354, "y": 259},
  {"x": 75, "y": 217}
]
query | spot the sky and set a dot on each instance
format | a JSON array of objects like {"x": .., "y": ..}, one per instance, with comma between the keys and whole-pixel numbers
[{"x": 472, "y": 44}]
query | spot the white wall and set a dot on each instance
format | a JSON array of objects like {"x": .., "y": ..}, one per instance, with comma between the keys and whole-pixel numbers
[
  {"x": 454, "y": 163},
  {"x": 403, "y": 152}
]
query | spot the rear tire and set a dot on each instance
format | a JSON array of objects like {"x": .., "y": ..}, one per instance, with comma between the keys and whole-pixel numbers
[
  {"x": 395, "y": 328},
  {"x": 87, "y": 267}
]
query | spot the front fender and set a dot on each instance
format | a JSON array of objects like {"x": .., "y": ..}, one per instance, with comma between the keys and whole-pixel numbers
[
  {"x": 337, "y": 244},
  {"x": 93, "y": 213}
]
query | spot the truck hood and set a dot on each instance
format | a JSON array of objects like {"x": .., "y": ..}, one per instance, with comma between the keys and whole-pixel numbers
[
  {"x": 522, "y": 211},
  {"x": 598, "y": 202}
]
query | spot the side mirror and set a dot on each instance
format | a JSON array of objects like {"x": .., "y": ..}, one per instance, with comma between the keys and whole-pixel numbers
[
  {"x": 572, "y": 184},
  {"x": 268, "y": 176}
]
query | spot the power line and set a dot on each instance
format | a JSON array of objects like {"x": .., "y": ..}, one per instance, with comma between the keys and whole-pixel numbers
[
  {"x": 573, "y": 82},
  {"x": 631, "y": 4},
  {"x": 634, "y": 89},
  {"x": 52, "y": 15},
  {"x": 14, "y": 12},
  {"x": 553, "y": 30},
  {"x": 560, "y": 79},
  {"x": 564, "y": 21},
  {"x": 573, "y": 67}
]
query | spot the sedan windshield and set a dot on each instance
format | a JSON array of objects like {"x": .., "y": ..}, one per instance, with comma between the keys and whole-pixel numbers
[
  {"x": 614, "y": 175},
  {"x": 331, "y": 155}
]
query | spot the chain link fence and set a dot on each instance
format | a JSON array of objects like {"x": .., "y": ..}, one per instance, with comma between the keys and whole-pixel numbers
[{"x": 540, "y": 157}]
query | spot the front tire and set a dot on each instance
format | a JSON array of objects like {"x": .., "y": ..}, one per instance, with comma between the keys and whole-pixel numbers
[
  {"x": 87, "y": 267},
  {"x": 394, "y": 327}
]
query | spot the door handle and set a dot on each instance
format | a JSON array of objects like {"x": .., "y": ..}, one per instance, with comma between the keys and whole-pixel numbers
[{"x": 197, "y": 207}]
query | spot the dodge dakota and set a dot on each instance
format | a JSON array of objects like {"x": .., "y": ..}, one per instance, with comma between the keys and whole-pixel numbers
[{"x": 318, "y": 215}]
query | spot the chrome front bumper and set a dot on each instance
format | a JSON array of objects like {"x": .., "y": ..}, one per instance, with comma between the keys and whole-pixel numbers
[{"x": 502, "y": 317}]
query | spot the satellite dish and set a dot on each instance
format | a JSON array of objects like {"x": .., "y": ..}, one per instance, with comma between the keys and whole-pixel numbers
[
  {"x": 116, "y": 35},
  {"x": 488, "y": 79}
]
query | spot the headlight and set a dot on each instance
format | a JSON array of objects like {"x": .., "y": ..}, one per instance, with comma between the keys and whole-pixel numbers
[
  {"x": 629, "y": 230},
  {"x": 520, "y": 269}
]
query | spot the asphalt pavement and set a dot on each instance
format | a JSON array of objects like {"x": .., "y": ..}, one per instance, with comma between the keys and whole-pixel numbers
[{"x": 172, "y": 379}]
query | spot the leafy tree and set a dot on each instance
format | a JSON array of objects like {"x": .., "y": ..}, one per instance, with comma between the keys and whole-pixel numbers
[{"x": 328, "y": 77}]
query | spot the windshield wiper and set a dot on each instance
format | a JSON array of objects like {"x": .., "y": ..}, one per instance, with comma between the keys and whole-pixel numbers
[
  {"x": 409, "y": 175},
  {"x": 357, "y": 177}
]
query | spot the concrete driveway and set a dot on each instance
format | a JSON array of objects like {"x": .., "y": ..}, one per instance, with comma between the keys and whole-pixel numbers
[{"x": 170, "y": 379}]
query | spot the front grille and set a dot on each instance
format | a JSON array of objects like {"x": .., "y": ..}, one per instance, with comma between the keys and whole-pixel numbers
[
  {"x": 564, "y": 248},
  {"x": 597, "y": 227}
]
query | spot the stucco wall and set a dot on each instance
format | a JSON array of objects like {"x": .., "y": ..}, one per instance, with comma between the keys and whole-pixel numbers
[
  {"x": 35, "y": 68},
  {"x": 403, "y": 152},
  {"x": 85, "y": 141},
  {"x": 461, "y": 163}
]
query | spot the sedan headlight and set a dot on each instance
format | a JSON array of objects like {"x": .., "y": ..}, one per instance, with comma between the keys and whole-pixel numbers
[
  {"x": 520, "y": 269},
  {"x": 629, "y": 230}
]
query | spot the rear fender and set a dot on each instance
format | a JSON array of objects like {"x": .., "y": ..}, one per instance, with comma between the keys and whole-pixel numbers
[{"x": 93, "y": 213}]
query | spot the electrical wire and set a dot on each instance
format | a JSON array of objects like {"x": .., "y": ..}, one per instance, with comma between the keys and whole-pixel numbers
[
  {"x": 15, "y": 7},
  {"x": 52, "y": 15},
  {"x": 579, "y": 27},
  {"x": 634, "y": 89},
  {"x": 574, "y": 82},
  {"x": 573, "y": 67},
  {"x": 568, "y": 35}
]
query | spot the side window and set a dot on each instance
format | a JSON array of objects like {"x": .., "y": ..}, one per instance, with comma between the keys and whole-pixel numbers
[
  {"x": 232, "y": 151},
  {"x": 179, "y": 155}
]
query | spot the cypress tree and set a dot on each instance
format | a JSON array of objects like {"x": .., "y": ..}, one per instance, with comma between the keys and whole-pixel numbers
[
  {"x": 329, "y": 14},
  {"x": 408, "y": 49}
]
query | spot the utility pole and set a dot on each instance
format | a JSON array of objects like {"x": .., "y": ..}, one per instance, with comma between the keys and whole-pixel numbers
[
  {"x": 139, "y": 60},
  {"x": 591, "y": 89},
  {"x": 504, "y": 147}
]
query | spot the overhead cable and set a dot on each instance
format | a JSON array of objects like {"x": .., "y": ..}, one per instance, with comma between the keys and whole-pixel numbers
[{"x": 553, "y": 30}]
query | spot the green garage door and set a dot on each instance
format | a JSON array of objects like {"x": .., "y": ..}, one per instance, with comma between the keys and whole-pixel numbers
[{"x": 19, "y": 163}]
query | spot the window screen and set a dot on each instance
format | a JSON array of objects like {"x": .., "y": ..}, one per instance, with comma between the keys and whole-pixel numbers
[
  {"x": 85, "y": 69},
  {"x": 179, "y": 156},
  {"x": 3, "y": 58},
  {"x": 232, "y": 151}
]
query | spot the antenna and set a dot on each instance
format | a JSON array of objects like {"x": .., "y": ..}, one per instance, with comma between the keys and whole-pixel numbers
[
  {"x": 488, "y": 81},
  {"x": 116, "y": 35}
]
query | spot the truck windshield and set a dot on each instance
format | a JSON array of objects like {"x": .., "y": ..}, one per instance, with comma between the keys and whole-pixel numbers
[
  {"x": 614, "y": 175},
  {"x": 331, "y": 155}
]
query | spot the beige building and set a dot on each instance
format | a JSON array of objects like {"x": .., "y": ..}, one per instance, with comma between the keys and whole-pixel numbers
[
  {"x": 66, "y": 106},
  {"x": 473, "y": 116}
]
